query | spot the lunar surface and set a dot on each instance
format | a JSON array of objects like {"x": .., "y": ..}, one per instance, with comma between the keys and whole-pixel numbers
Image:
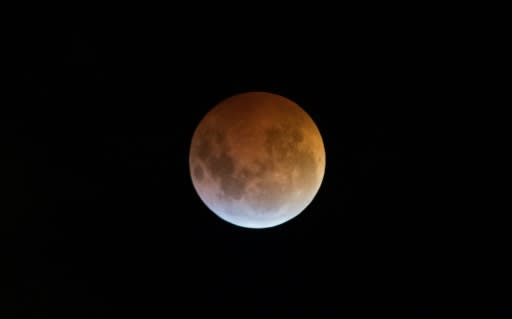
[{"x": 257, "y": 160}]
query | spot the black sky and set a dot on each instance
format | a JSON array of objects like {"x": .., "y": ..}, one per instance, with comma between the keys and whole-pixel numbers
[{"x": 100, "y": 218}]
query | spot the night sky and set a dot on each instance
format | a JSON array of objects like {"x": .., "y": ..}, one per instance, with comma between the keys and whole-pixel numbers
[{"x": 99, "y": 218}]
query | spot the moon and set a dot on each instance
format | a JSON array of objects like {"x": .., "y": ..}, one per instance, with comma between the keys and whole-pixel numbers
[{"x": 257, "y": 160}]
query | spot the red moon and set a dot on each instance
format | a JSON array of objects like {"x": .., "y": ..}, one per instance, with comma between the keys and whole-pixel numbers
[{"x": 257, "y": 160}]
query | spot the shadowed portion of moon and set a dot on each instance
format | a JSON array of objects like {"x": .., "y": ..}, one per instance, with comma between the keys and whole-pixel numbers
[
  {"x": 198, "y": 173},
  {"x": 257, "y": 159},
  {"x": 220, "y": 165}
]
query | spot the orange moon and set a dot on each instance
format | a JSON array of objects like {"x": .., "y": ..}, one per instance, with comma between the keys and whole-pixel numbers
[{"x": 257, "y": 160}]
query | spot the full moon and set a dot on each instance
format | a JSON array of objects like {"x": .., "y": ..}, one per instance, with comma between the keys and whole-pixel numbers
[{"x": 257, "y": 160}]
